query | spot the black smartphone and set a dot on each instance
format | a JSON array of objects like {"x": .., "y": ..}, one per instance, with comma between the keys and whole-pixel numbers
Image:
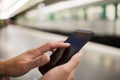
[{"x": 77, "y": 40}]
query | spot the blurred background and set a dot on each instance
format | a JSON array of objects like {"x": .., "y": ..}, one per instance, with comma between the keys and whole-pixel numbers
[{"x": 25, "y": 24}]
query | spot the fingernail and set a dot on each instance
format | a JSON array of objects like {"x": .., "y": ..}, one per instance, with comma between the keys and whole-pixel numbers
[
  {"x": 67, "y": 44},
  {"x": 79, "y": 54},
  {"x": 44, "y": 59}
]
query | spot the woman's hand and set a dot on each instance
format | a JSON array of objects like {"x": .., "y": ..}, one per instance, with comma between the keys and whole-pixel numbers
[
  {"x": 63, "y": 72},
  {"x": 23, "y": 63}
]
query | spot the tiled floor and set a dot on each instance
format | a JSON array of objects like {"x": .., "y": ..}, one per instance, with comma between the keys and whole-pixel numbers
[{"x": 99, "y": 62}]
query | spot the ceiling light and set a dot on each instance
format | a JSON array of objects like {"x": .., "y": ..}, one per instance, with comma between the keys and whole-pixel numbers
[{"x": 65, "y": 4}]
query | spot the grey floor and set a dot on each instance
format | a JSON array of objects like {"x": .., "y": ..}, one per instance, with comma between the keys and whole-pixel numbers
[{"x": 99, "y": 62}]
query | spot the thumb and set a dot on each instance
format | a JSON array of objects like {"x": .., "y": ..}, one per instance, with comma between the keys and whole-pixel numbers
[
  {"x": 39, "y": 61},
  {"x": 73, "y": 62}
]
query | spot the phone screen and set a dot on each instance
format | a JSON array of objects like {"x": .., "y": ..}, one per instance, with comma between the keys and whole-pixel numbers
[{"x": 77, "y": 40}]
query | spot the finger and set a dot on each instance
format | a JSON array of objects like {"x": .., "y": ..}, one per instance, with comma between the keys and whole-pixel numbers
[
  {"x": 73, "y": 62},
  {"x": 53, "y": 45},
  {"x": 61, "y": 41},
  {"x": 54, "y": 50},
  {"x": 48, "y": 47},
  {"x": 71, "y": 76},
  {"x": 58, "y": 41},
  {"x": 39, "y": 61}
]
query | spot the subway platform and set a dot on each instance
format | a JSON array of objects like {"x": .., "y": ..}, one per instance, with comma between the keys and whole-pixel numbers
[{"x": 99, "y": 62}]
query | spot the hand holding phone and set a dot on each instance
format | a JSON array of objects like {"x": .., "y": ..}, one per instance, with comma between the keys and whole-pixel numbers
[{"x": 77, "y": 40}]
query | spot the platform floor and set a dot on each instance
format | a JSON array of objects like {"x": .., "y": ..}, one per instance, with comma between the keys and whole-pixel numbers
[{"x": 99, "y": 62}]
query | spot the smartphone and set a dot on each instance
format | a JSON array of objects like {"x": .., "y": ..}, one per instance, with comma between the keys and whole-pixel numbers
[{"x": 62, "y": 55}]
